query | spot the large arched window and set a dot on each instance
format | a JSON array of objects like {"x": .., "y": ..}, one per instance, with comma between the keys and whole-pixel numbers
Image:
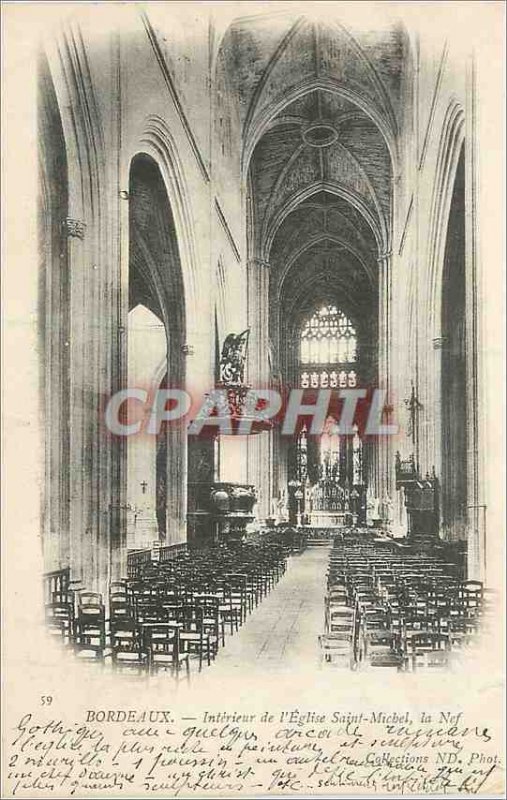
[{"x": 328, "y": 350}]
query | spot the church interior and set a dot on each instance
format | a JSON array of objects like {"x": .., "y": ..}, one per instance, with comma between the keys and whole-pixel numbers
[{"x": 281, "y": 201}]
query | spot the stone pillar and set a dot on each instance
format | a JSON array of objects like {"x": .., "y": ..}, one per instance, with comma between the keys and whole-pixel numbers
[
  {"x": 177, "y": 448},
  {"x": 79, "y": 485},
  {"x": 198, "y": 371},
  {"x": 434, "y": 402},
  {"x": 96, "y": 300},
  {"x": 259, "y": 446},
  {"x": 487, "y": 213},
  {"x": 117, "y": 309},
  {"x": 384, "y": 479},
  {"x": 92, "y": 382},
  {"x": 475, "y": 491},
  {"x": 94, "y": 354},
  {"x": 55, "y": 370}
]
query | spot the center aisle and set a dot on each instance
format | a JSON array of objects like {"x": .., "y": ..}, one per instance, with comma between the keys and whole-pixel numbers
[{"x": 282, "y": 632}]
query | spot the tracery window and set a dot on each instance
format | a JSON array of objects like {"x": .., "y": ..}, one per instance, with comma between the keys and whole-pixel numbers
[
  {"x": 329, "y": 466},
  {"x": 328, "y": 351}
]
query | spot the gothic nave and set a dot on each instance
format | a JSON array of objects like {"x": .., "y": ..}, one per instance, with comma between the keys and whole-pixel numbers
[{"x": 280, "y": 203}]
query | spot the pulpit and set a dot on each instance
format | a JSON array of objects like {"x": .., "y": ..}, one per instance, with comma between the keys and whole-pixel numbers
[
  {"x": 421, "y": 500},
  {"x": 219, "y": 511}
]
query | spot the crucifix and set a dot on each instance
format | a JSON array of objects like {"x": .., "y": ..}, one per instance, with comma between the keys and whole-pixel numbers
[
  {"x": 414, "y": 407},
  {"x": 144, "y": 486}
]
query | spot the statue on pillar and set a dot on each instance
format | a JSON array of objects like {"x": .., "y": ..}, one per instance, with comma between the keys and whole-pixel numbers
[
  {"x": 232, "y": 360},
  {"x": 283, "y": 508},
  {"x": 387, "y": 509},
  {"x": 372, "y": 511}
]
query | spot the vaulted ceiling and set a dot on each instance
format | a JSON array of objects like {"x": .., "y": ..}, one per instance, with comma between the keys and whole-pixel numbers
[{"x": 319, "y": 107}]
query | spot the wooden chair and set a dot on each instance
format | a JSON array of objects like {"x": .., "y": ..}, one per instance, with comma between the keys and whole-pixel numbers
[
  {"x": 193, "y": 637},
  {"x": 230, "y": 611},
  {"x": 340, "y": 618},
  {"x": 149, "y": 610},
  {"x": 59, "y": 616},
  {"x": 471, "y": 594},
  {"x": 461, "y": 630},
  {"x": 164, "y": 649},
  {"x": 429, "y": 650},
  {"x": 237, "y": 587},
  {"x": 212, "y": 622},
  {"x": 382, "y": 648},
  {"x": 90, "y": 637},
  {"x": 127, "y": 651},
  {"x": 338, "y": 648}
]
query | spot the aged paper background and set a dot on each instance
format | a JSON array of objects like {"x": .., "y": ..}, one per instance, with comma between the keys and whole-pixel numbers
[{"x": 32, "y": 667}]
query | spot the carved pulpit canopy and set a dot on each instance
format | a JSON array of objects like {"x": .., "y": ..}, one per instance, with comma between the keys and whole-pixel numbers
[
  {"x": 232, "y": 384},
  {"x": 233, "y": 358}
]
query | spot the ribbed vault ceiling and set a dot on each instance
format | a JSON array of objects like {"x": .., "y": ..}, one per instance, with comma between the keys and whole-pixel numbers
[{"x": 319, "y": 107}]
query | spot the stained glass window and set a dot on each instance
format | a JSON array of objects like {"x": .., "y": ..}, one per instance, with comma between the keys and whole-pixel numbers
[
  {"x": 328, "y": 337},
  {"x": 332, "y": 466},
  {"x": 328, "y": 350}
]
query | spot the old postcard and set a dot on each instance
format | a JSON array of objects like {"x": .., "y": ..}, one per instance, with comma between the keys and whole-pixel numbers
[{"x": 253, "y": 399}]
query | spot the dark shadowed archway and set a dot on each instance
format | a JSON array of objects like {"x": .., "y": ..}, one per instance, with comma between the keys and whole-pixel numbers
[
  {"x": 156, "y": 284},
  {"x": 454, "y": 355}
]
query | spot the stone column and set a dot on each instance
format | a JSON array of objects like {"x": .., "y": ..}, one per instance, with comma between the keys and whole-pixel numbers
[
  {"x": 55, "y": 371},
  {"x": 75, "y": 229},
  {"x": 434, "y": 401},
  {"x": 384, "y": 465},
  {"x": 94, "y": 348},
  {"x": 259, "y": 447},
  {"x": 198, "y": 371},
  {"x": 91, "y": 337},
  {"x": 93, "y": 231},
  {"x": 475, "y": 488},
  {"x": 117, "y": 310},
  {"x": 177, "y": 450}
]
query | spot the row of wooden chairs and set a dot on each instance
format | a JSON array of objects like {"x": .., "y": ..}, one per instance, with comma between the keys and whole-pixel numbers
[
  {"x": 405, "y": 610},
  {"x": 170, "y": 613}
]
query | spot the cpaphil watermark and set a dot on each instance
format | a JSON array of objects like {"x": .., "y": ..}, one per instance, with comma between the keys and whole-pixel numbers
[{"x": 222, "y": 410}]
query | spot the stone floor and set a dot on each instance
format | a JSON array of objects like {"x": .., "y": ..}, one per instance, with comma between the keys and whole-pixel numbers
[{"x": 283, "y": 629}]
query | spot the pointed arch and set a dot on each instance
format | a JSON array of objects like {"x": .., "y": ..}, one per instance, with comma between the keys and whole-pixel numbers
[
  {"x": 362, "y": 200},
  {"x": 157, "y": 141},
  {"x": 378, "y": 229},
  {"x": 261, "y": 123},
  {"x": 156, "y": 270},
  {"x": 326, "y": 236},
  {"x": 451, "y": 145}
]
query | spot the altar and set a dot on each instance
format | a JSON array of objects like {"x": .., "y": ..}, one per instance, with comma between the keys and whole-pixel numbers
[{"x": 332, "y": 519}]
